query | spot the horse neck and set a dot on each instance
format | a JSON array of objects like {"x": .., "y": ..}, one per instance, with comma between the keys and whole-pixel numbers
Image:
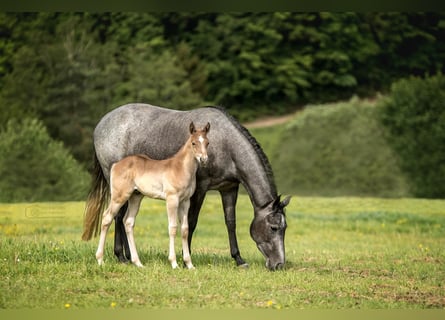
[{"x": 256, "y": 176}]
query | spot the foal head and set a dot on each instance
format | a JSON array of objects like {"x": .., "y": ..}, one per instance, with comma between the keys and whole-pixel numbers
[{"x": 200, "y": 142}]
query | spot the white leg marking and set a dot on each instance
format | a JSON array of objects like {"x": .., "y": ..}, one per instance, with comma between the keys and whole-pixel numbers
[
  {"x": 107, "y": 219},
  {"x": 129, "y": 220},
  {"x": 172, "y": 209}
]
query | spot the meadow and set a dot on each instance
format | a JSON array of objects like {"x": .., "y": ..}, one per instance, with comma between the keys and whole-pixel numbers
[{"x": 342, "y": 253}]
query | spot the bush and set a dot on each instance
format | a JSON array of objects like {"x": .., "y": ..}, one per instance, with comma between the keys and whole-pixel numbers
[
  {"x": 414, "y": 114},
  {"x": 335, "y": 150},
  {"x": 33, "y": 167}
]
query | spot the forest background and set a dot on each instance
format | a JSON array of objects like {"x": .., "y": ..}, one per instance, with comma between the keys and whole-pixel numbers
[{"x": 61, "y": 72}]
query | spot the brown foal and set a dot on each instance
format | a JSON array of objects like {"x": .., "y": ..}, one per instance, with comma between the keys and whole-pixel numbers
[{"x": 172, "y": 179}]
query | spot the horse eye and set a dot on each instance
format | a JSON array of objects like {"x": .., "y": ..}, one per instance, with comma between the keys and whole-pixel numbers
[{"x": 193, "y": 144}]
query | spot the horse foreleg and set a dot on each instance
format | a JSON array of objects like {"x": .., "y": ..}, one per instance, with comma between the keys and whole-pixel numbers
[
  {"x": 182, "y": 215},
  {"x": 129, "y": 220},
  {"x": 229, "y": 199},
  {"x": 193, "y": 212},
  {"x": 107, "y": 219},
  {"x": 172, "y": 210}
]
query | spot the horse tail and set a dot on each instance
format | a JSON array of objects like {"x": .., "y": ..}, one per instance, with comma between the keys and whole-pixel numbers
[{"x": 96, "y": 201}]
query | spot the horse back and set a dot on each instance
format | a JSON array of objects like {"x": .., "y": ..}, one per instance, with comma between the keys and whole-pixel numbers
[{"x": 158, "y": 133}]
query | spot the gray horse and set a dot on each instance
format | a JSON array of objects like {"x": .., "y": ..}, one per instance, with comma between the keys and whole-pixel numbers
[{"x": 234, "y": 157}]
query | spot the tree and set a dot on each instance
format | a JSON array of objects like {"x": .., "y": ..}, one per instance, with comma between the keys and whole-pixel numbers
[
  {"x": 403, "y": 44},
  {"x": 415, "y": 116},
  {"x": 67, "y": 80},
  {"x": 157, "y": 79},
  {"x": 68, "y": 69},
  {"x": 34, "y": 167}
]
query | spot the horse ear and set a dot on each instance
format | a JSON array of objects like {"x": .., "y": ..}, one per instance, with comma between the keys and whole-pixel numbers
[
  {"x": 207, "y": 127},
  {"x": 285, "y": 202},
  {"x": 192, "y": 127},
  {"x": 281, "y": 204},
  {"x": 276, "y": 202}
]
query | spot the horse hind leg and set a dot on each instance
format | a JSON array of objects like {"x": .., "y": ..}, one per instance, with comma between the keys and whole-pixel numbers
[
  {"x": 129, "y": 220},
  {"x": 121, "y": 248}
]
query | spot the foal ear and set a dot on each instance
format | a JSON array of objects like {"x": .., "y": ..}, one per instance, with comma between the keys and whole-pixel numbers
[
  {"x": 192, "y": 127},
  {"x": 207, "y": 127}
]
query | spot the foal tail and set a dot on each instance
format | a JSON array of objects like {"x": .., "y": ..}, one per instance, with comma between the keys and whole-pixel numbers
[{"x": 96, "y": 201}]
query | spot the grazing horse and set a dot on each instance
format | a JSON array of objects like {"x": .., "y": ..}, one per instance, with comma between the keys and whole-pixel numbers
[
  {"x": 234, "y": 157},
  {"x": 173, "y": 180}
]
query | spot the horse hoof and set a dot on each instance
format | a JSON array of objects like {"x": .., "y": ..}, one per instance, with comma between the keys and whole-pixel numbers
[
  {"x": 123, "y": 260},
  {"x": 138, "y": 264},
  {"x": 244, "y": 266}
]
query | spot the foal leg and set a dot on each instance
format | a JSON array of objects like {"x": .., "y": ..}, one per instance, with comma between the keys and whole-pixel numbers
[
  {"x": 133, "y": 208},
  {"x": 107, "y": 219},
  {"x": 172, "y": 210},
  {"x": 183, "y": 220}
]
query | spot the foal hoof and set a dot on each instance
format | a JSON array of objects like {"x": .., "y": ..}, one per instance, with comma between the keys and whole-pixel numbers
[
  {"x": 100, "y": 261},
  {"x": 189, "y": 266},
  {"x": 138, "y": 264}
]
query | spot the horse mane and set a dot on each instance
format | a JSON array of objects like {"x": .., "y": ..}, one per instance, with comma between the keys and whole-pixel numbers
[{"x": 256, "y": 146}]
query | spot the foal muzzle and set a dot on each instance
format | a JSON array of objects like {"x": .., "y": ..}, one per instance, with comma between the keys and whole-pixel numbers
[{"x": 203, "y": 160}]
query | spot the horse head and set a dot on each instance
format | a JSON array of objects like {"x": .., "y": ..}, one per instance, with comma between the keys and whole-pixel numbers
[{"x": 268, "y": 229}]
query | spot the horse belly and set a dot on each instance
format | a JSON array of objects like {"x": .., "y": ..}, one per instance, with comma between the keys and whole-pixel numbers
[{"x": 151, "y": 188}]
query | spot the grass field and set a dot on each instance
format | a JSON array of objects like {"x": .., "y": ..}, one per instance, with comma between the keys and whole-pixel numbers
[{"x": 341, "y": 253}]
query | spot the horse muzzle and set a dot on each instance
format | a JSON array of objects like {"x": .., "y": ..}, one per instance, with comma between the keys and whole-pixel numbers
[
  {"x": 274, "y": 263},
  {"x": 275, "y": 266},
  {"x": 203, "y": 160}
]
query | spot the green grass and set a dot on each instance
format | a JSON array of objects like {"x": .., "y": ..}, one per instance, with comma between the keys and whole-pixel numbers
[{"x": 341, "y": 253}]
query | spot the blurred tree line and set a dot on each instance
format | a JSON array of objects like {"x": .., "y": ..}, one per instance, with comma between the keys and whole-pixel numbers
[
  {"x": 68, "y": 69},
  {"x": 414, "y": 115},
  {"x": 393, "y": 146}
]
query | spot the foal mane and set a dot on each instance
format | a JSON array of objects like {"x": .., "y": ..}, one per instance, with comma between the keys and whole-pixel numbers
[{"x": 256, "y": 146}]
